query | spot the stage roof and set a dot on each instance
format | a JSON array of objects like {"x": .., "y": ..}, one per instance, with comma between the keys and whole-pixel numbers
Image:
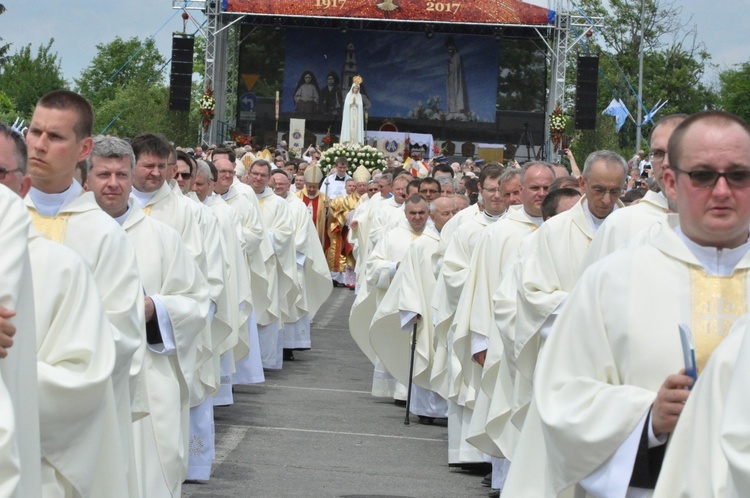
[{"x": 490, "y": 12}]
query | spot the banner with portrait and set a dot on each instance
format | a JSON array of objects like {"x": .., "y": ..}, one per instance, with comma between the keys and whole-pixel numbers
[{"x": 406, "y": 75}]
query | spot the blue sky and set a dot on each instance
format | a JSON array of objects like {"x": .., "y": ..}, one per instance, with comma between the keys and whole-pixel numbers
[{"x": 78, "y": 25}]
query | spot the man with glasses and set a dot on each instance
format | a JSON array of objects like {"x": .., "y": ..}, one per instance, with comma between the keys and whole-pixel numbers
[
  {"x": 548, "y": 273},
  {"x": 312, "y": 271},
  {"x": 281, "y": 267},
  {"x": 450, "y": 284},
  {"x": 611, "y": 384},
  {"x": 625, "y": 223}
]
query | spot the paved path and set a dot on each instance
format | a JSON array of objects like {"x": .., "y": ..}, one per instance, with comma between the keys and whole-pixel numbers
[{"x": 313, "y": 429}]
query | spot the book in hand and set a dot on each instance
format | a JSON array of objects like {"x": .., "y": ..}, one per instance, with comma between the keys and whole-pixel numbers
[{"x": 688, "y": 351}]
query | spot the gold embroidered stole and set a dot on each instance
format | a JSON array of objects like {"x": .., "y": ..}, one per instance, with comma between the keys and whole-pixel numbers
[
  {"x": 53, "y": 228},
  {"x": 147, "y": 210},
  {"x": 717, "y": 302}
]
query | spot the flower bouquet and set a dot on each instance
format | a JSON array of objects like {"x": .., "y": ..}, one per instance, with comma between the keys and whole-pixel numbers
[
  {"x": 357, "y": 155},
  {"x": 207, "y": 104},
  {"x": 557, "y": 122}
]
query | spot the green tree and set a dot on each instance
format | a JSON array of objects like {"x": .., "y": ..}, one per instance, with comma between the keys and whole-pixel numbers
[
  {"x": 4, "y": 47},
  {"x": 673, "y": 68},
  {"x": 25, "y": 77},
  {"x": 116, "y": 65},
  {"x": 7, "y": 109},
  {"x": 139, "y": 107},
  {"x": 735, "y": 90}
]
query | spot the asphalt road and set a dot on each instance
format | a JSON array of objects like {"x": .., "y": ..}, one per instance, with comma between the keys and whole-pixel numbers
[{"x": 313, "y": 429}]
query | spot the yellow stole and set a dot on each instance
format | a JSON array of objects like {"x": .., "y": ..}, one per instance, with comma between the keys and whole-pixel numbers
[
  {"x": 53, "y": 228},
  {"x": 717, "y": 302}
]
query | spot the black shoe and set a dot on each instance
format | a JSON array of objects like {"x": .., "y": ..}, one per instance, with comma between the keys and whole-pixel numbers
[
  {"x": 487, "y": 481},
  {"x": 399, "y": 402},
  {"x": 288, "y": 355},
  {"x": 495, "y": 493},
  {"x": 426, "y": 420}
]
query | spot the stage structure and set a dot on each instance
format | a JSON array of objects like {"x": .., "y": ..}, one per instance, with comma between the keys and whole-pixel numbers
[{"x": 390, "y": 42}]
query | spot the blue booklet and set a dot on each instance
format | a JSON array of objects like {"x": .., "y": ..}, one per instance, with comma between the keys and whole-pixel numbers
[{"x": 688, "y": 351}]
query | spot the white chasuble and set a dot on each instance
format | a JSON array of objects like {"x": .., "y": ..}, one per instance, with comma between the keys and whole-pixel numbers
[
  {"x": 695, "y": 463},
  {"x": 170, "y": 277},
  {"x": 623, "y": 224},
  {"x": 454, "y": 271},
  {"x": 81, "y": 225},
  {"x": 409, "y": 293},
  {"x": 81, "y": 450},
  {"x": 19, "y": 398},
  {"x": 602, "y": 365}
]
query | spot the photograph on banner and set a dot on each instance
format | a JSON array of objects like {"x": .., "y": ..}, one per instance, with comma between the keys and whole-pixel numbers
[
  {"x": 296, "y": 135},
  {"x": 406, "y": 75}
]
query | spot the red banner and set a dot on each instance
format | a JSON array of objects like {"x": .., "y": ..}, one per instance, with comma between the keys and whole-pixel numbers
[{"x": 466, "y": 11}]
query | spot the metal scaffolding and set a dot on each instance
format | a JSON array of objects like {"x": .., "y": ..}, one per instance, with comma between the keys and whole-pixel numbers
[{"x": 222, "y": 46}]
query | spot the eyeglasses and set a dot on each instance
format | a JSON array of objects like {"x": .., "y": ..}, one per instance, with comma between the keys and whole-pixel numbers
[
  {"x": 601, "y": 191},
  {"x": 226, "y": 172},
  {"x": 739, "y": 178},
  {"x": 657, "y": 155},
  {"x": 490, "y": 191},
  {"x": 184, "y": 176},
  {"x": 4, "y": 172}
]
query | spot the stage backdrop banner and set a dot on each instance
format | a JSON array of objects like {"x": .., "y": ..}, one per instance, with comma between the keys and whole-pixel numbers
[
  {"x": 453, "y": 11},
  {"x": 296, "y": 135},
  {"x": 406, "y": 75}
]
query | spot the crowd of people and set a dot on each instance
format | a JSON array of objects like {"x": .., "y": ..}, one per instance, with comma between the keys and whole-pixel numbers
[
  {"x": 153, "y": 281},
  {"x": 560, "y": 322},
  {"x": 551, "y": 325}
]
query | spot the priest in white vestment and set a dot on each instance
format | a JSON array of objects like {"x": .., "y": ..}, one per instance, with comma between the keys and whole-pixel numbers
[
  {"x": 237, "y": 347},
  {"x": 450, "y": 285},
  {"x": 62, "y": 212},
  {"x": 408, "y": 301},
  {"x": 390, "y": 211},
  {"x": 555, "y": 261},
  {"x": 713, "y": 421},
  {"x": 258, "y": 252},
  {"x": 610, "y": 384},
  {"x": 313, "y": 276},
  {"x": 177, "y": 297},
  {"x": 19, "y": 398},
  {"x": 279, "y": 226},
  {"x": 381, "y": 269},
  {"x": 625, "y": 223}
]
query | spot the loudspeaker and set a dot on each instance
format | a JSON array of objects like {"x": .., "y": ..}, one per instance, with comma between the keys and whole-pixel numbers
[
  {"x": 586, "y": 92},
  {"x": 181, "y": 73}
]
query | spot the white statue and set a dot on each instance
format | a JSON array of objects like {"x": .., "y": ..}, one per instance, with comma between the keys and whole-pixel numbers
[{"x": 353, "y": 119}]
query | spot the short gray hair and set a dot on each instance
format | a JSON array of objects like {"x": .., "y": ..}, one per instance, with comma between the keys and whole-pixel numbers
[
  {"x": 609, "y": 157},
  {"x": 203, "y": 167},
  {"x": 508, "y": 174},
  {"x": 110, "y": 147}
]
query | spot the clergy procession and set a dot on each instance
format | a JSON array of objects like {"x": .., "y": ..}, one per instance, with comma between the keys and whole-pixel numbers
[{"x": 572, "y": 345}]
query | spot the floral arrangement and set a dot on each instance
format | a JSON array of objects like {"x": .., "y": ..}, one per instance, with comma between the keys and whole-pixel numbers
[
  {"x": 241, "y": 139},
  {"x": 328, "y": 139},
  {"x": 357, "y": 155},
  {"x": 207, "y": 104},
  {"x": 557, "y": 122}
]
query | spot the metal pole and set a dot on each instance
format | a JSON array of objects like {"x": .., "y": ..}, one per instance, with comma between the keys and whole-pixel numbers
[
  {"x": 640, "y": 79},
  {"x": 411, "y": 371}
]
